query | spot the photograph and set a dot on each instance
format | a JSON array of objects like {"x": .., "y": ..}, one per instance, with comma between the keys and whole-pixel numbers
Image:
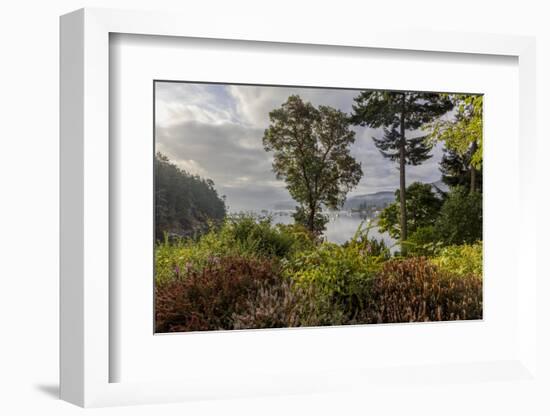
[{"x": 296, "y": 206}]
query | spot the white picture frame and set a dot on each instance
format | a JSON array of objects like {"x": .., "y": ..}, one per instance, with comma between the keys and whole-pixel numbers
[{"x": 85, "y": 353}]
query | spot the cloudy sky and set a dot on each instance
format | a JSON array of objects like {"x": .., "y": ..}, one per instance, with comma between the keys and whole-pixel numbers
[{"x": 216, "y": 131}]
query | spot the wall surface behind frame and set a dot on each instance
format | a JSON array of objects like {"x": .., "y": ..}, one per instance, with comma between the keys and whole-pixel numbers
[{"x": 29, "y": 170}]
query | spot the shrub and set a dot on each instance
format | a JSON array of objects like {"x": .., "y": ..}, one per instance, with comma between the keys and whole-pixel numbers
[
  {"x": 284, "y": 305},
  {"x": 263, "y": 238},
  {"x": 339, "y": 273},
  {"x": 207, "y": 299},
  {"x": 461, "y": 218},
  {"x": 414, "y": 290},
  {"x": 174, "y": 259},
  {"x": 466, "y": 259},
  {"x": 303, "y": 239},
  {"x": 243, "y": 236},
  {"x": 423, "y": 242},
  {"x": 423, "y": 206},
  {"x": 272, "y": 306}
]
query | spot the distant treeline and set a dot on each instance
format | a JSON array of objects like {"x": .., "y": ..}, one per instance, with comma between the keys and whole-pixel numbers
[{"x": 184, "y": 203}]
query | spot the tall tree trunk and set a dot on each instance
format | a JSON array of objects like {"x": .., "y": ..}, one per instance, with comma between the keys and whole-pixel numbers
[
  {"x": 311, "y": 219},
  {"x": 473, "y": 169},
  {"x": 472, "y": 179},
  {"x": 402, "y": 184}
]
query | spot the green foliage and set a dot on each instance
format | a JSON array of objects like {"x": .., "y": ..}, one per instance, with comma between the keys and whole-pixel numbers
[
  {"x": 464, "y": 133},
  {"x": 340, "y": 274},
  {"x": 174, "y": 259},
  {"x": 456, "y": 169},
  {"x": 416, "y": 149},
  {"x": 259, "y": 236},
  {"x": 384, "y": 108},
  {"x": 398, "y": 112},
  {"x": 423, "y": 242},
  {"x": 389, "y": 220},
  {"x": 423, "y": 206},
  {"x": 461, "y": 218},
  {"x": 184, "y": 203},
  {"x": 463, "y": 260},
  {"x": 435, "y": 222},
  {"x": 311, "y": 153},
  {"x": 333, "y": 268},
  {"x": 414, "y": 290},
  {"x": 241, "y": 235}
]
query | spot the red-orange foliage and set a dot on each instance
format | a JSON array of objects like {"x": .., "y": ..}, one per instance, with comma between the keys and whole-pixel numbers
[
  {"x": 413, "y": 290},
  {"x": 207, "y": 299}
]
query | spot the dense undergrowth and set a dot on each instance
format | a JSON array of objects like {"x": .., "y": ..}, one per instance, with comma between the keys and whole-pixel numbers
[{"x": 249, "y": 273}]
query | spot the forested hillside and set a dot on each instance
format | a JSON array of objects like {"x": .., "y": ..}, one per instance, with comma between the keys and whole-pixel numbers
[{"x": 184, "y": 203}]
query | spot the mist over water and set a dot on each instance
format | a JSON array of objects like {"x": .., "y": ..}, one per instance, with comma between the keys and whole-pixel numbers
[{"x": 341, "y": 227}]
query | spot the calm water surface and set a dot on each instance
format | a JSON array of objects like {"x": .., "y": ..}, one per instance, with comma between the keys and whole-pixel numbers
[{"x": 340, "y": 228}]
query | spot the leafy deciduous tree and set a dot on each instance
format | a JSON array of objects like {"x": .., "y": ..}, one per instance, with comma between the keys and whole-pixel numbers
[
  {"x": 311, "y": 152},
  {"x": 463, "y": 134}
]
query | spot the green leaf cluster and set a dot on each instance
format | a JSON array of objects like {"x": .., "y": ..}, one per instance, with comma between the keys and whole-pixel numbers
[
  {"x": 423, "y": 206},
  {"x": 463, "y": 260},
  {"x": 464, "y": 132}
]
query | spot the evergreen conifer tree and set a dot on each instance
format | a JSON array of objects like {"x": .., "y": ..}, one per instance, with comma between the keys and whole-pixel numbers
[{"x": 400, "y": 113}]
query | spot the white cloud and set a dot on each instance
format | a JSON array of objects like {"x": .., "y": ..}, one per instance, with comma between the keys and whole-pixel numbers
[
  {"x": 255, "y": 102},
  {"x": 178, "y": 102}
]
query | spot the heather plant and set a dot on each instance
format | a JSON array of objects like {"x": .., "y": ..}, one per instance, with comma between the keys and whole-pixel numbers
[
  {"x": 415, "y": 290},
  {"x": 284, "y": 305},
  {"x": 207, "y": 299},
  {"x": 271, "y": 306}
]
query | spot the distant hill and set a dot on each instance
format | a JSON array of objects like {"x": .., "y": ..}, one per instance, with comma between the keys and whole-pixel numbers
[
  {"x": 284, "y": 205},
  {"x": 378, "y": 200},
  {"x": 383, "y": 198}
]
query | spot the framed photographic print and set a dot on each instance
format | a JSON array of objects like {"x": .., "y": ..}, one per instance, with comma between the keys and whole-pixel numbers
[{"x": 269, "y": 214}]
